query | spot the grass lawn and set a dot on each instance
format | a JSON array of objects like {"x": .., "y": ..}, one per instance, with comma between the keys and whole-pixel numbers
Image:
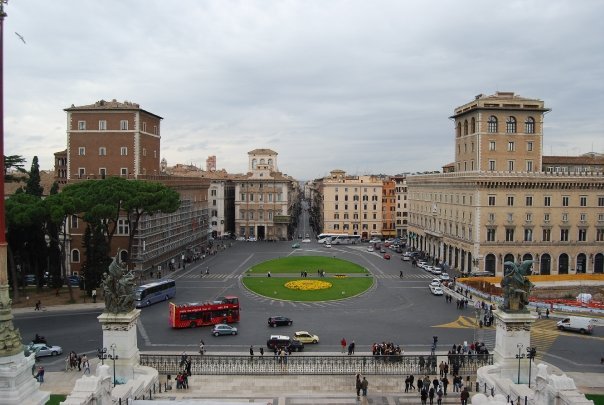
[
  {"x": 598, "y": 399},
  {"x": 356, "y": 281},
  {"x": 274, "y": 287},
  {"x": 56, "y": 399},
  {"x": 296, "y": 264}
]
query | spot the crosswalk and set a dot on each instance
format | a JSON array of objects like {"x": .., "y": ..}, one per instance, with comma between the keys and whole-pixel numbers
[
  {"x": 192, "y": 276},
  {"x": 417, "y": 276}
]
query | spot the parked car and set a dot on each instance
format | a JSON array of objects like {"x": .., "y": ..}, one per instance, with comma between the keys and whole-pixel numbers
[
  {"x": 43, "y": 350},
  {"x": 370, "y": 249},
  {"x": 284, "y": 342},
  {"x": 386, "y": 256},
  {"x": 436, "y": 271},
  {"x": 305, "y": 240},
  {"x": 306, "y": 337},
  {"x": 252, "y": 239},
  {"x": 241, "y": 238},
  {"x": 295, "y": 246},
  {"x": 223, "y": 329},
  {"x": 73, "y": 280},
  {"x": 444, "y": 277},
  {"x": 327, "y": 245},
  {"x": 279, "y": 321},
  {"x": 406, "y": 258},
  {"x": 435, "y": 282},
  {"x": 30, "y": 279},
  {"x": 436, "y": 290}
]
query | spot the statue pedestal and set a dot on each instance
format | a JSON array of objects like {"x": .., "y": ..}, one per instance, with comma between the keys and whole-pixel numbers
[
  {"x": 17, "y": 385},
  {"x": 119, "y": 338},
  {"x": 513, "y": 337}
]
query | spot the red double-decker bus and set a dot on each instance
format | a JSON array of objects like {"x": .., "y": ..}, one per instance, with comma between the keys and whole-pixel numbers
[{"x": 220, "y": 310}]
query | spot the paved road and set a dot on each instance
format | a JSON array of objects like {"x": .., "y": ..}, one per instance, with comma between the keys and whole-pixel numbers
[{"x": 395, "y": 310}]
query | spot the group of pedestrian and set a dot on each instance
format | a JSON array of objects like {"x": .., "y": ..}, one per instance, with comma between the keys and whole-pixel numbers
[
  {"x": 386, "y": 349},
  {"x": 361, "y": 385},
  {"x": 73, "y": 361}
]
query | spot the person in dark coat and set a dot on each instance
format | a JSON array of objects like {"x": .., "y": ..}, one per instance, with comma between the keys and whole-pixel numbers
[{"x": 358, "y": 385}]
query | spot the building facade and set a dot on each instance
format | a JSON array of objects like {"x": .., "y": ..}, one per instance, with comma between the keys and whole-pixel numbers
[
  {"x": 352, "y": 204},
  {"x": 263, "y": 198},
  {"x": 388, "y": 208},
  {"x": 498, "y": 205},
  {"x": 401, "y": 210},
  {"x": 110, "y": 138}
]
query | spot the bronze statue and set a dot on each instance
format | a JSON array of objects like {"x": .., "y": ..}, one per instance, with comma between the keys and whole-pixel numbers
[
  {"x": 118, "y": 286},
  {"x": 516, "y": 286}
]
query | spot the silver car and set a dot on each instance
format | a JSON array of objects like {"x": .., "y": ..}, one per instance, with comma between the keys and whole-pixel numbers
[{"x": 42, "y": 349}]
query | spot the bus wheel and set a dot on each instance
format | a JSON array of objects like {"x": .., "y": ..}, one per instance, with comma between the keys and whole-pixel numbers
[
  {"x": 148, "y": 303},
  {"x": 192, "y": 324}
]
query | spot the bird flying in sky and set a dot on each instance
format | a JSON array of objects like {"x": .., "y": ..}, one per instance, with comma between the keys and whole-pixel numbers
[{"x": 21, "y": 37}]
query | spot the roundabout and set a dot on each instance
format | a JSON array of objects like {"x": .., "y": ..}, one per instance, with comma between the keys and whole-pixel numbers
[{"x": 307, "y": 279}]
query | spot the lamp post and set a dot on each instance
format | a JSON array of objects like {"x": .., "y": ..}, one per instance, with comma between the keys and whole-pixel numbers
[
  {"x": 531, "y": 353},
  {"x": 102, "y": 355},
  {"x": 47, "y": 240},
  {"x": 519, "y": 356},
  {"x": 113, "y": 357}
]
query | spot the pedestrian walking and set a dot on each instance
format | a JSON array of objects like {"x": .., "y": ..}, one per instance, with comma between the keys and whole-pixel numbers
[
  {"x": 261, "y": 351},
  {"x": 202, "y": 347},
  {"x": 38, "y": 305},
  {"x": 407, "y": 384},
  {"x": 351, "y": 348},
  {"x": 343, "y": 343},
  {"x": 358, "y": 385},
  {"x": 251, "y": 350},
  {"x": 40, "y": 374},
  {"x": 401, "y": 274},
  {"x": 464, "y": 396},
  {"x": 547, "y": 313},
  {"x": 86, "y": 364},
  {"x": 439, "y": 396},
  {"x": 423, "y": 395},
  {"x": 93, "y": 293},
  {"x": 364, "y": 385}
]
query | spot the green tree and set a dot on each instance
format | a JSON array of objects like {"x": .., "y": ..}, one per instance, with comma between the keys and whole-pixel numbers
[
  {"x": 33, "y": 186},
  {"x": 97, "y": 256},
  {"x": 104, "y": 202},
  {"x": 13, "y": 162}
]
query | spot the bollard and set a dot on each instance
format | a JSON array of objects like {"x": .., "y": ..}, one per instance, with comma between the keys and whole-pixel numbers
[{"x": 477, "y": 386}]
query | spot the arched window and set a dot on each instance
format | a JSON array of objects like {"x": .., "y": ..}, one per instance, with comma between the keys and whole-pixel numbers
[
  {"x": 492, "y": 124},
  {"x": 458, "y": 129},
  {"x": 581, "y": 263},
  {"x": 75, "y": 256},
  {"x": 510, "y": 125},
  {"x": 563, "y": 264},
  {"x": 254, "y": 163},
  {"x": 529, "y": 125},
  {"x": 262, "y": 161},
  {"x": 473, "y": 125},
  {"x": 465, "y": 127},
  {"x": 546, "y": 264}
]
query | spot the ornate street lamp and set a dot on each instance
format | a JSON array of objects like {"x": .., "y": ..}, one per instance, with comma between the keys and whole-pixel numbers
[
  {"x": 102, "y": 354},
  {"x": 519, "y": 356},
  {"x": 113, "y": 357}
]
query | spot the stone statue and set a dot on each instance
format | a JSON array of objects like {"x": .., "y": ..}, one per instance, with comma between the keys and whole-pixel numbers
[
  {"x": 516, "y": 286},
  {"x": 118, "y": 286}
]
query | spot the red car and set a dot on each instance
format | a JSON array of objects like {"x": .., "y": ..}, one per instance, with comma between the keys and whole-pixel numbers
[{"x": 387, "y": 256}]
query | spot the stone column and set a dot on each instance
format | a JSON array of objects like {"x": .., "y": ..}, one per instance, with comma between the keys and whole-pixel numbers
[
  {"x": 119, "y": 338},
  {"x": 513, "y": 337}
]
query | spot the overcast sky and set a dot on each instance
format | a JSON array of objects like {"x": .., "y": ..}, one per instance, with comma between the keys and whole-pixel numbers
[{"x": 365, "y": 86}]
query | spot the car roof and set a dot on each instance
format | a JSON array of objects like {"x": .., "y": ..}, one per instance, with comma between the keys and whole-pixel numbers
[
  {"x": 303, "y": 331},
  {"x": 279, "y": 337}
]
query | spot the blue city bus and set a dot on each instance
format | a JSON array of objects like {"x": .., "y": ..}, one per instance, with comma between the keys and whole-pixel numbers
[{"x": 151, "y": 293}]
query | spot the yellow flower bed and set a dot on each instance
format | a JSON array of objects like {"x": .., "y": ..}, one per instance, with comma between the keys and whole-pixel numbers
[
  {"x": 307, "y": 285},
  {"x": 340, "y": 276}
]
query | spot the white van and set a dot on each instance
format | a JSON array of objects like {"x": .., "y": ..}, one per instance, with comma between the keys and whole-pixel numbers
[{"x": 577, "y": 324}]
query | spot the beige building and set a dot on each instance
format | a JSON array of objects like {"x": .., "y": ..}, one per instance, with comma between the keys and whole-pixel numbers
[
  {"x": 498, "y": 205},
  {"x": 263, "y": 198},
  {"x": 401, "y": 210},
  {"x": 352, "y": 204}
]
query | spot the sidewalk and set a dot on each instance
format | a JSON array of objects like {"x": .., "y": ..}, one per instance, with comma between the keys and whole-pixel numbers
[{"x": 291, "y": 390}]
